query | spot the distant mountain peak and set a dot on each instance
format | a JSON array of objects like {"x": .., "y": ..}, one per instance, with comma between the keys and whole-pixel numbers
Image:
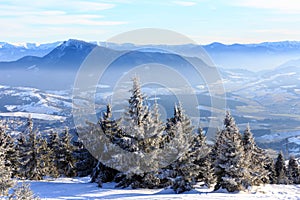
[{"x": 76, "y": 43}]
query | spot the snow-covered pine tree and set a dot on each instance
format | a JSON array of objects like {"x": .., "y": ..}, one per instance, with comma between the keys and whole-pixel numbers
[
  {"x": 270, "y": 167},
  {"x": 21, "y": 149},
  {"x": 280, "y": 170},
  {"x": 5, "y": 174},
  {"x": 154, "y": 130},
  {"x": 64, "y": 155},
  {"x": 140, "y": 126},
  {"x": 53, "y": 146},
  {"x": 8, "y": 145},
  {"x": 85, "y": 161},
  {"x": 202, "y": 153},
  {"x": 183, "y": 171},
  {"x": 256, "y": 159},
  {"x": 30, "y": 166},
  {"x": 23, "y": 192},
  {"x": 217, "y": 143},
  {"x": 231, "y": 166},
  {"x": 141, "y": 132},
  {"x": 110, "y": 127},
  {"x": 293, "y": 171},
  {"x": 46, "y": 156}
]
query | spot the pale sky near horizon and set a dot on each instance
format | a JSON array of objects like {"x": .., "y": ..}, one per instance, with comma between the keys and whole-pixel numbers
[{"x": 204, "y": 21}]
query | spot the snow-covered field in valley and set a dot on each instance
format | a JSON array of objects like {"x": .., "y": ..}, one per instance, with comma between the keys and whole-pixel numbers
[{"x": 80, "y": 188}]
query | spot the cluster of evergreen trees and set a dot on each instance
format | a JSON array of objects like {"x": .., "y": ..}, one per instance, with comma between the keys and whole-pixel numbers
[
  {"x": 33, "y": 156},
  {"x": 234, "y": 162}
]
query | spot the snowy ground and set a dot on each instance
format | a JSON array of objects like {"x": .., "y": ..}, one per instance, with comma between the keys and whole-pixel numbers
[{"x": 80, "y": 188}]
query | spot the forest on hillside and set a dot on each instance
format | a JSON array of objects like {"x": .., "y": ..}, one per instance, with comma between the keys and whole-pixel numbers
[{"x": 234, "y": 162}]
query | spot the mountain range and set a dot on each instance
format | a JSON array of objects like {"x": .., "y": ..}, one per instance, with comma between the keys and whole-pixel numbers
[{"x": 270, "y": 54}]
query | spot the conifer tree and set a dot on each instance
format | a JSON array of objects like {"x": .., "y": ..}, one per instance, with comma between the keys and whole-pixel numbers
[
  {"x": 53, "y": 146},
  {"x": 256, "y": 158},
  {"x": 46, "y": 155},
  {"x": 142, "y": 133},
  {"x": 230, "y": 164},
  {"x": 85, "y": 161},
  {"x": 142, "y": 127},
  {"x": 5, "y": 174},
  {"x": 30, "y": 166},
  {"x": 184, "y": 170},
  {"x": 280, "y": 170},
  {"x": 203, "y": 159},
  {"x": 270, "y": 167},
  {"x": 110, "y": 127},
  {"x": 8, "y": 145},
  {"x": 21, "y": 149},
  {"x": 293, "y": 171},
  {"x": 64, "y": 155}
]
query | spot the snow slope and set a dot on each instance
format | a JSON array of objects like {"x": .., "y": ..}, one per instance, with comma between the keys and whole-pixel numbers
[
  {"x": 33, "y": 115},
  {"x": 80, "y": 188}
]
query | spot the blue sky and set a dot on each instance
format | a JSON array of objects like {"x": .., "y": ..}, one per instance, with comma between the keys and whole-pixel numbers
[{"x": 226, "y": 21}]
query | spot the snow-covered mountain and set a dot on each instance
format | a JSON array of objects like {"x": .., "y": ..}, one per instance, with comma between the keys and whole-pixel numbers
[
  {"x": 11, "y": 52},
  {"x": 253, "y": 57}
]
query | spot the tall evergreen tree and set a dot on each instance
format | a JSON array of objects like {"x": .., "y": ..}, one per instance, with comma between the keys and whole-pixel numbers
[
  {"x": 256, "y": 159},
  {"x": 230, "y": 164},
  {"x": 183, "y": 171},
  {"x": 293, "y": 171},
  {"x": 85, "y": 161},
  {"x": 202, "y": 153},
  {"x": 65, "y": 155},
  {"x": 142, "y": 132},
  {"x": 30, "y": 166},
  {"x": 142, "y": 127},
  {"x": 110, "y": 127},
  {"x": 54, "y": 148},
  {"x": 46, "y": 155},
  {"x": 8, "y": 145},
  {"x": 5, "y": 174},
  {"x": 280, "y": 170}
]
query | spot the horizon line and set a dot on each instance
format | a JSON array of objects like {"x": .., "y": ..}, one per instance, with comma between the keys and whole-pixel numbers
[{"x": 99, "y": 41}]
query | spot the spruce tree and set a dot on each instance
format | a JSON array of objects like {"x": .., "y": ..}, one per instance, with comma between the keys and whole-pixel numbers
[
  {"x": 110, "y": 127},
  {"x": 142, "y": 127},
  {"x": 141, "y": 133},
  {"x": 270, "y": 167},
  {"x": 30, "y": 166},
  {"x": 5, "y": 174},
  {"x": 256, "y": 158},
  {"x": 280, "y": 170},
  {"x": 64, "y": 155},
  {"x": 8, "y": 145},
  {"x": 184, "y": 170},
  {"x": 54, "y": 148},
  {"x": 85, "y": 161},
  {"x": 293, "y": 171},
  {"x": 231, "y": 167},
  {"x": 203, "y": 159},
  {"x": 46, "y": 155},
  {"x": 21, "y": 149}
]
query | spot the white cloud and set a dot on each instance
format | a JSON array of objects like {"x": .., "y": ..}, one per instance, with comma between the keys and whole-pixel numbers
[
  {"x": 35, "y": 20},
  {"x": 185, "y": 3},
  {"x": 287, "y": 6}
]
